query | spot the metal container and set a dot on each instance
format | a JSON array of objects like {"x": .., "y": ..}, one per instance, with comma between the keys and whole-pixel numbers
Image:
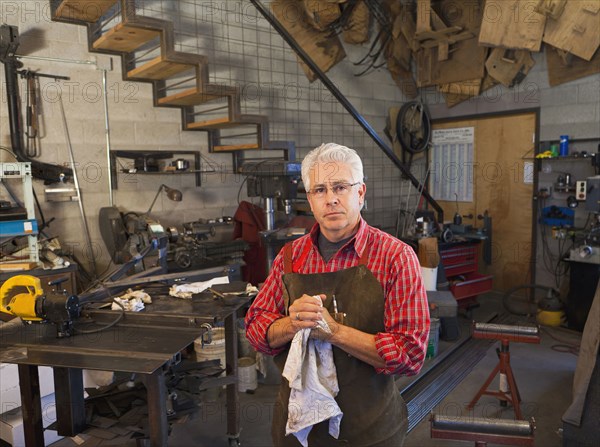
[{"x": 181, "y": 164}]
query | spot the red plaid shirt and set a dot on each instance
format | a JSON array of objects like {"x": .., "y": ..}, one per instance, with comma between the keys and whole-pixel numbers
[{"x": 396, "y": 267}]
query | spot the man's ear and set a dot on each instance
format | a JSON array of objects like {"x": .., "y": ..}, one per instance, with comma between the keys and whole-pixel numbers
[{"x": 362, "y": 190}]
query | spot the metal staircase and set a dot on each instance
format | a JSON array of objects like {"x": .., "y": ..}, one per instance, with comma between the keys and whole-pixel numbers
[{"x": 179, "y": 79}]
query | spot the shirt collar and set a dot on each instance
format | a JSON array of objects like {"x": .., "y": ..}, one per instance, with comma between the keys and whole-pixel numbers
[{"x": 359, "y": 240}]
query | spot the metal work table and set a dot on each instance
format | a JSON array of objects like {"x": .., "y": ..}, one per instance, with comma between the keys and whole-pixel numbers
[{"x": 145, "y": 342}]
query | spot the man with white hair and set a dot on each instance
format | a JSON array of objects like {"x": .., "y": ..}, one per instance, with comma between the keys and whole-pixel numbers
[{"x": 344, "y": 266}]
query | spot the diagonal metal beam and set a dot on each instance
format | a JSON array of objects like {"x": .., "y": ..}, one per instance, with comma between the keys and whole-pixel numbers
[{"x": 347, "y": 105}]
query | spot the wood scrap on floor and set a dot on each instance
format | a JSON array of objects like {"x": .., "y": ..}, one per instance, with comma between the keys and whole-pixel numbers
[
  {"x": 324, "y": 49},
  {"x": 509, "y": 67},
  {"x": 560, "y": 72},
  {"x": 512, "y": 24},
  {"x": 576, "y": 30}
]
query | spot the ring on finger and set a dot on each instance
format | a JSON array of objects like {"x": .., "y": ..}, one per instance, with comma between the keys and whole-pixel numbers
[{"x": 298, "y": 316}]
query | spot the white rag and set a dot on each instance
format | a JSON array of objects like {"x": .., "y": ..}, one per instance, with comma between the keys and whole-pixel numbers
[
  {"x": 187, "y": 290},
  {"x": 310, "y": 370},
  {"x": 132, "y": 301}
]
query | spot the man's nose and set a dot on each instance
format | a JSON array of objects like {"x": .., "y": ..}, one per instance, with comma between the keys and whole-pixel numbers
[{"x": 331, "y": 197}]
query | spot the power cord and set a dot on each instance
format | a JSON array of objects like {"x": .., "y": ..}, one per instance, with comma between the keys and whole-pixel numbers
[
  {"x": 105, "y": 327},
  {"x": 563, "y": 346}
]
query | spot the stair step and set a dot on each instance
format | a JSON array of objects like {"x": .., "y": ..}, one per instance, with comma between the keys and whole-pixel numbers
[
  {"x": 125, "y": 38},
  {"x": 217, "y": 123},
  {"x": 235, "y": 147},
  {"x": 159, "y": 69},
  {"x": 83, "y": 10},
  {"x": 226, "y": 123},
  {"x": 194, "y": 97}
]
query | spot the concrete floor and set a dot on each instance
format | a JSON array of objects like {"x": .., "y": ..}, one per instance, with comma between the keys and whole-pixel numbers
[{"x": 543, "y": 373}]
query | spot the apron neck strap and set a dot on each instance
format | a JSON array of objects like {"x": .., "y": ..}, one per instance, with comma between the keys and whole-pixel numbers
[
  {"x": 364, "y": 258},
  {"x": 287, "y": 258}
]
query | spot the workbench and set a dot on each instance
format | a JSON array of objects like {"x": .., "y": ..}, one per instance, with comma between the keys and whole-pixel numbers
[{"x": 145, "y": 342}]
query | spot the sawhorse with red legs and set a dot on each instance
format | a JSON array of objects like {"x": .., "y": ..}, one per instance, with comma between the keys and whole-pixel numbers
[{"x": 508, "y": 390}]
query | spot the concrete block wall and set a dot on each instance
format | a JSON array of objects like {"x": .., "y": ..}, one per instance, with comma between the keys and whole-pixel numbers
[
  {"x": 274, "y": 85},
  {"x": 572, "y": 108}
]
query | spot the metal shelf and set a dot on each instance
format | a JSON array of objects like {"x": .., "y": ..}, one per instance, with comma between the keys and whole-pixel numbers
[
  {"x": 143, "y": 157},
  {"x": 22, "y": 227}
]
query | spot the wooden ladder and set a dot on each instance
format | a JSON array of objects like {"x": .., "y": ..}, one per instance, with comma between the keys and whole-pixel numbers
[{"x": 179, "y": 79}]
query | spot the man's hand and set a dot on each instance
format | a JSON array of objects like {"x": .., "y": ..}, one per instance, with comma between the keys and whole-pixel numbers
[
  {"x": 319, "y": 333},
  {"x": 306, "y": 311}
]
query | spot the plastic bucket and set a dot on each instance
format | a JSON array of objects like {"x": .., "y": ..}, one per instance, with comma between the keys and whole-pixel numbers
[
  {"x": 434, "y": 338},
  {"x": 214, "y": 350},
  {"x": 246, "y": 374},
  {"x": 429, "y": 278},
  {"x": 245, "y": 349}
]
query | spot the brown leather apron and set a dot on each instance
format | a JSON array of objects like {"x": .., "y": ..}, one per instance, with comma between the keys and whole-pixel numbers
[{"x": 374, "y": 412}]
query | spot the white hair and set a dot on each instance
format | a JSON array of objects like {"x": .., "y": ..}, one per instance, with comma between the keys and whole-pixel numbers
[{"x": 332, "y": 153}]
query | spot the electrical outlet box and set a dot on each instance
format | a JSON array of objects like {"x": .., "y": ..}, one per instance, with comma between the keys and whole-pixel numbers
[{"x": 581, "y": 190}]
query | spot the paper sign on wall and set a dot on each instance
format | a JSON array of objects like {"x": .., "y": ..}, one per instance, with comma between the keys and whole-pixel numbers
[
  {"x": 528, "y": 172},
  {"x": 451, "y": 164}
]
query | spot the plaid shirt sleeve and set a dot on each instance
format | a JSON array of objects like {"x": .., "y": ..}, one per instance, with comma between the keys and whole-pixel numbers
[
  {"x": 267, "y": 307},
  {"x": 404, "y": 344}
]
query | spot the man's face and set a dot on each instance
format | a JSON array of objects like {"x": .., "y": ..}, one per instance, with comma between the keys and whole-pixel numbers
[{"x": 337, "y": 214}]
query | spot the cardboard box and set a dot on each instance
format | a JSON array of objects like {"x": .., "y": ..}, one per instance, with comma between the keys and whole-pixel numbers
[
  {"x": 10, "y": 395},
  {"x": 11, "y": 423}
]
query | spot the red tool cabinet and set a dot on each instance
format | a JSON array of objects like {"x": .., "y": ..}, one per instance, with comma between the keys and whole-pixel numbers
[{"x": 460, "y": 261}]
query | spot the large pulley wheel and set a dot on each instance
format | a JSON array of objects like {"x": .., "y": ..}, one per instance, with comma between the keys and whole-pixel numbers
[{"x": 413, "y": 127}]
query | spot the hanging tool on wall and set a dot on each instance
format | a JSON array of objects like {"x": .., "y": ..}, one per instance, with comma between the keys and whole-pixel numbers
[
  {"x": 413, "y": 130},
  {"x": 9, "y": 43},
  {"x": 32, "y": 122}
]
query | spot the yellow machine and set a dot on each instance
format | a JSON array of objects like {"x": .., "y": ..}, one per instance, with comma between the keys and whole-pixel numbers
[
  {"x": 19, "y": 295},
  {"x": 23, "y": 296}
]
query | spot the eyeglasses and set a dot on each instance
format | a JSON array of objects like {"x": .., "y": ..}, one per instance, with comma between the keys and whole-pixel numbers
[{"x": 339, "y": 189}]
